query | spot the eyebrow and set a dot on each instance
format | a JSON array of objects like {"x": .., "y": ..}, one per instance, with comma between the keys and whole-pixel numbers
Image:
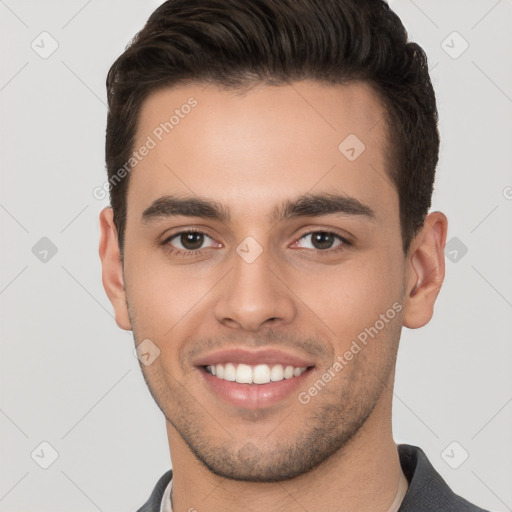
[{"x": 308, "y": 205}]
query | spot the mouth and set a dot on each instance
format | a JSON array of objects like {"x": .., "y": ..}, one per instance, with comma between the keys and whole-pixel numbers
[
  {"x": 258, "y": 374},
  {"x": 253, "y": 379}
]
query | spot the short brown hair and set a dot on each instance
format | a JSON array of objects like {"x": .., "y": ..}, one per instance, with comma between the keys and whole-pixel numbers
[{"x": 239, "y": 42}]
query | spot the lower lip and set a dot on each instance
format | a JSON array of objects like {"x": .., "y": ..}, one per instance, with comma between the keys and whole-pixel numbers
[{"x": 253, "y": 396}]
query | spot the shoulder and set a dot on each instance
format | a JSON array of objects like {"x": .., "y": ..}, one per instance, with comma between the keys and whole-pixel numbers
[{"x": 427, "y": 489}]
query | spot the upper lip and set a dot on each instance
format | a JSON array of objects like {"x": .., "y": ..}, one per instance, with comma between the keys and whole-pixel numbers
[{"x": 252, "y": 357}]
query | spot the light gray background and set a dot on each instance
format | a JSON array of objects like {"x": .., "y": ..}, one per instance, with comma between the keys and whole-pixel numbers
[{"x": 68, "y": 374}]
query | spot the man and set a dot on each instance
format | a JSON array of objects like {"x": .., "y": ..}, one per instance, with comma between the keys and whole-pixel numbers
[{"x": 271, "y": 165}]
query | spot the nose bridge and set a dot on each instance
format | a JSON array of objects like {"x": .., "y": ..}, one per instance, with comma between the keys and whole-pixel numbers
[{"x": 253, "y": 294}]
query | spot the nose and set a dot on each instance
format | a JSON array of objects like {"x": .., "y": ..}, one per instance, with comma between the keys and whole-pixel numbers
[{"x": 255, "y": 294}]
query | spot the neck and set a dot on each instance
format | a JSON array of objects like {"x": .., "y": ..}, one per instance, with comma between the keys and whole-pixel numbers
[{"x": 364, "y": 475}]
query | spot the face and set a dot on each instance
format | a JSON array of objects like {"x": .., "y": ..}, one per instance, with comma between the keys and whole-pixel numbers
[{"x": 264, "y": 272}]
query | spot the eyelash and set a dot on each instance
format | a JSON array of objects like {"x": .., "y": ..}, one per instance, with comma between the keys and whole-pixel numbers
[{"x": 180, "y": 252}]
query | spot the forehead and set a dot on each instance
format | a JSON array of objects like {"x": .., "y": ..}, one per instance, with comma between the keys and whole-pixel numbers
[{"x": 250, "y": 147}]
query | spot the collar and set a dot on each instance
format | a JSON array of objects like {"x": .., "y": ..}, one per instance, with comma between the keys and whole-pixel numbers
[{"x": 165, "y": 505}]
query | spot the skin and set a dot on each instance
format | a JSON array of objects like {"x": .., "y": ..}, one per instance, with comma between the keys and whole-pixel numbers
[{"x": 249, "y": 151}]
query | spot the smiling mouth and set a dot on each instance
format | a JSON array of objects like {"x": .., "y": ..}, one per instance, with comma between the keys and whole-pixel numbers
[{"x": 254, "y": 374}]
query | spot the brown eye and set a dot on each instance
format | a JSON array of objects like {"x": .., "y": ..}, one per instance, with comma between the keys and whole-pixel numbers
[
  {"x": 322, "y": 240},
  {"x": 191, "y": 241}
]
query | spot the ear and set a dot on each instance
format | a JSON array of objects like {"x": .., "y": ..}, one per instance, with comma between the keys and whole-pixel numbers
[
  {"x": 425, "y": 269},
  {"x": 112, "y": 268}
]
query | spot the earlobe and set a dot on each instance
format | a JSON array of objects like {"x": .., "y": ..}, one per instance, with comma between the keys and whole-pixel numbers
[
  {"x": 425, "y": 271},
  {"x": 112, "y": 268}
]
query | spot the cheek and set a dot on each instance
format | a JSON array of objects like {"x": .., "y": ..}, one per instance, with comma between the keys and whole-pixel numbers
[
  {"x": 161, "y": 296},
  {"x": 351, "y": 297}
]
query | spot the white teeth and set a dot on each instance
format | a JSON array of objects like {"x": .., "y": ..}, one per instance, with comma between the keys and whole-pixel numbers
[
  {"x": 258, "y": 374},
  {"x": 244, "y": 374},
  {"x": 229, "y": 372},
  {"x": 277, "y": 372},
  {"x": 288, "y": 372},
  {"x": 261, "y": 374}
]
